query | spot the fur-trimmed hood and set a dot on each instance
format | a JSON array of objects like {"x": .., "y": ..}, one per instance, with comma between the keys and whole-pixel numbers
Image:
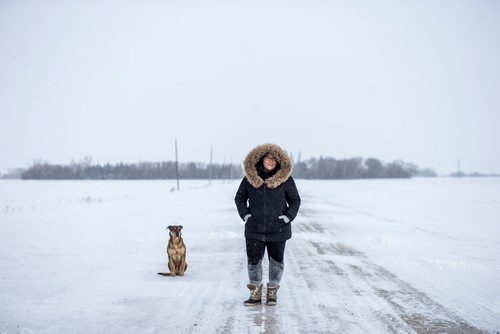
[{"x": 255, "y": 156}]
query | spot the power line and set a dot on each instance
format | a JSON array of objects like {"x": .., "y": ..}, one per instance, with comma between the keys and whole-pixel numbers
[
  {"x": 27, "y": 92},
  {"x": 41, "y": 74}
]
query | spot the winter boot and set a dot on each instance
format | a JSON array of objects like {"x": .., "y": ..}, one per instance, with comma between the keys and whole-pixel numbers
[
  {"x": 272, "y": 295},
  {"x": 255, "y": 295}
]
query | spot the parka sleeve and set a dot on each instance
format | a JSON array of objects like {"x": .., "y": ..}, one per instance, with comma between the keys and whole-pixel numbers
[
  {"x": 241, "y": 199},
  {"x": 292, "y": 198}
]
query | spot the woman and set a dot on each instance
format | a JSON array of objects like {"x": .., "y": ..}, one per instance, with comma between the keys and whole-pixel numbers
[{"x": 273, "y": 202}]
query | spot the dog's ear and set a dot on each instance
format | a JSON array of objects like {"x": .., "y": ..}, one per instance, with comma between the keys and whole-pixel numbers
[
  {"x": 169, "y": 227},
  {"x": 180, "y": 227}
]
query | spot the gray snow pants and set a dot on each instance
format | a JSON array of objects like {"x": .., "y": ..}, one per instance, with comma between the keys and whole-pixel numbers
[{"x": 255, "y": 254}]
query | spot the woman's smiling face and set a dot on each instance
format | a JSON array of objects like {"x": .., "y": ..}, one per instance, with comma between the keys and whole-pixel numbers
[{"x": 269, "y": 162}]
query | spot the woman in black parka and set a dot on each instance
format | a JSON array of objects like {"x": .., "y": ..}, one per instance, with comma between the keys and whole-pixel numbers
[{"x": 267, "y": 200}]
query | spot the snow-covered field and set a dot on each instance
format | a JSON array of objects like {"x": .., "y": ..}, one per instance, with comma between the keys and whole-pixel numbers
[{"x": 376, "y": 256}]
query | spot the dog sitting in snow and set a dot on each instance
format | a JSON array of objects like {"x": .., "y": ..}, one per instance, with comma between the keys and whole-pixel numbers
[{"x": 176, "y": 251}]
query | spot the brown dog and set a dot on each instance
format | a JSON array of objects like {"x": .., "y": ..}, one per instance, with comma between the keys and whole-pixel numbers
[{"x": 176, "y": 251}]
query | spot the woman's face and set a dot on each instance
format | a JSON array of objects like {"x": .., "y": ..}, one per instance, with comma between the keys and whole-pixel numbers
[{"x": 269, "y": 162}]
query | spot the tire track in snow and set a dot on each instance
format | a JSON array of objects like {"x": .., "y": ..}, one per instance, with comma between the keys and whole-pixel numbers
[
  {"x": 343, "y": 303},
  {"x": 372, "y": 296}
]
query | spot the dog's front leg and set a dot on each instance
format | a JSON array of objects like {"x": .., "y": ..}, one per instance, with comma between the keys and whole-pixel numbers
[
  {"x": 171, "y": 266},
  {"x": 182, "y": 266}
]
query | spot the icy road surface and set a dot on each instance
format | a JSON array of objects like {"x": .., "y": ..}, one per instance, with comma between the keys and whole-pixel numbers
[{"x": 380, "y": 256}]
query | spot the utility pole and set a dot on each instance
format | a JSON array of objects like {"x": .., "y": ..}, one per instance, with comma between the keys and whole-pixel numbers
[
  {"x": 177, "y": 165},
  {"x": 210, "y": 167}
]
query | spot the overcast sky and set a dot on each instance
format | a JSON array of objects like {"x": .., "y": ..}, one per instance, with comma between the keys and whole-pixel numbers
[{"x": 411, "y": 80}]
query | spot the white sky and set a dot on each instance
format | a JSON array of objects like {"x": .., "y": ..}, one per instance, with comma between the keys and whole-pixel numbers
[{"x": 411, "y": 80}]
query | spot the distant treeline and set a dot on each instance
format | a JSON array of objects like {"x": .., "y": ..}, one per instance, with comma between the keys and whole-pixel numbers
[
  {"x": 131, "y": 171},
  {"x": 474, "y": 174},
  {"x": 357, "y": 168},
  {"x": 322, "y": 168}
]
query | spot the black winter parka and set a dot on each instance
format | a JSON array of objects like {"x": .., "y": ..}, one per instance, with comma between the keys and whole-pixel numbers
[{"x": 267, "y": 199}]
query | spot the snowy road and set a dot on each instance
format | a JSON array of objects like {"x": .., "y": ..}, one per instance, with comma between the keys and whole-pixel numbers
[
  {"x": 348, "y": 293},
  {"x": 82, "y": 258}
]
